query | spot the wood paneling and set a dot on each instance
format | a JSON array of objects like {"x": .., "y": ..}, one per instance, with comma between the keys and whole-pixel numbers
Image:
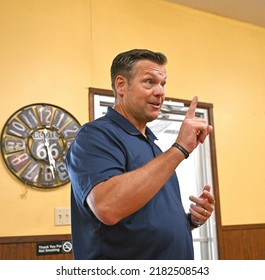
[
  {"x": 25, "y": 248},
  {"x": 242, "y": 242}
]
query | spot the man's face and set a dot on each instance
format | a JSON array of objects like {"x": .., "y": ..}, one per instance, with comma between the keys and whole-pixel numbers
[{"x": 144, "y": 95}]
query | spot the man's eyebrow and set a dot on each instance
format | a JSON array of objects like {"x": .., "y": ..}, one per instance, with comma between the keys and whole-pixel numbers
[{"x": 155, "y": 74}]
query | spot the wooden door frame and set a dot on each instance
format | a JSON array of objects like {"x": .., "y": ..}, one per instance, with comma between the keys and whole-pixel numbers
[{"x": 203, "y": 105}]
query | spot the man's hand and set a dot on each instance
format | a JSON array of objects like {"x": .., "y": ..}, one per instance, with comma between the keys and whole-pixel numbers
[
  {"x": 193, "y": 130},
  {"x": 203, "y": 206}
]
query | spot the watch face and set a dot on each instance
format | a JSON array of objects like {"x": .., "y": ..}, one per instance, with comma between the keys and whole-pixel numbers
[{"x": 35, "y": 140}]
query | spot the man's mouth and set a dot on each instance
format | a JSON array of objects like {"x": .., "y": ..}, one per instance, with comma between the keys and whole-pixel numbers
[{"x": 155, "y": 104}]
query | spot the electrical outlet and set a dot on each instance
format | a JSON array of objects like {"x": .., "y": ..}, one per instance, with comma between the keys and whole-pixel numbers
[{"x": 62, "y": 216}]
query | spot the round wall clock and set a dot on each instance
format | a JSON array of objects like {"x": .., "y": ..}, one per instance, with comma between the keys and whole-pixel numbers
[{"x": 35, "y": 140}]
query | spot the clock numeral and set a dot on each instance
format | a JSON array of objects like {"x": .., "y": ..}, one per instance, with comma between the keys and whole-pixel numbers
[
  {"x": 29, "y": 118},
  {"x": 17, "y": 128},
  {"x": 60, "y": 119},
  {"x": 70, "y": 130},
  {"x": 45, "y": 113},
  {"x": 55, "y": 149},
  {"x": 14, "y": 145},
  {"x": 17, "y": 162},
  {"x": 39, "y": 151},
  {"x": 47, "y": 177},
  {"x": 31, "y": 173},
  {"x": 62, "y": 171}
]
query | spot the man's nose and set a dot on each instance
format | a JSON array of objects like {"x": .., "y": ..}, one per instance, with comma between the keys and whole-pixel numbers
[{"x": 159, "y": 90}]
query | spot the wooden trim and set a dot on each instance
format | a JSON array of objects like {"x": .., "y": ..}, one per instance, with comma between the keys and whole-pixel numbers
[
  {"x": 217, "y": 210},
  {"x": 243, "y": 227},
  {"x": 33, "y": 238},
  {"x": 25, "y": 247},
  {"x": 92, "y": 92}
]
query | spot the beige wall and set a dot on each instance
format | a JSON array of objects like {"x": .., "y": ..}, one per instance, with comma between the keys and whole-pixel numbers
[
  {"x": 44, "y": 57},
  {"x": 51, "y": 51}
]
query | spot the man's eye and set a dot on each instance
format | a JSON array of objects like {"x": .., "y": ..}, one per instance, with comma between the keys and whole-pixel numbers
[{"x": 150, "y": 82}]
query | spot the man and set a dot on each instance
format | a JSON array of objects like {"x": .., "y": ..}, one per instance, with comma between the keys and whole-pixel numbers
[{"x": 126, "y": 201}]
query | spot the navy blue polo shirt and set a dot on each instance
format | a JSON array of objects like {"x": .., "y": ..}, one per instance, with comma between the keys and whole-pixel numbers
[{"x": 107, "y": 147}]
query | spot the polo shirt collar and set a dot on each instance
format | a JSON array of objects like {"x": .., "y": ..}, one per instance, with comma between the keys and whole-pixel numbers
[{"x": 127, "y": 125}]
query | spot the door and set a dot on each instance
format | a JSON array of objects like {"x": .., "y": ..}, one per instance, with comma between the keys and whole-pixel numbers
[{"x": 193, "y": 173}]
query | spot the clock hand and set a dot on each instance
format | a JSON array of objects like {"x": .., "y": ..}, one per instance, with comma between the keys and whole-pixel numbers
[{"x": 50, "y": 157}]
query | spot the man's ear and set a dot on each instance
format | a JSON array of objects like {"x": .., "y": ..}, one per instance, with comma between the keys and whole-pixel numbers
[{"x": 120, "y": 85}]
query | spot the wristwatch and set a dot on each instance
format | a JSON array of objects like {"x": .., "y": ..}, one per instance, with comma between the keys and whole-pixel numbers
[{"x": 34, "y": 142}]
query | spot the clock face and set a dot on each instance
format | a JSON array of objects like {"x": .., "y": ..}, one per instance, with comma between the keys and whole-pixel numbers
[{"x": 35, "y": 140}]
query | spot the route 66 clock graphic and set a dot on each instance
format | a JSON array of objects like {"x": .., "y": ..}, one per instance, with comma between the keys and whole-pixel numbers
[{"x": 35, "y": 140}]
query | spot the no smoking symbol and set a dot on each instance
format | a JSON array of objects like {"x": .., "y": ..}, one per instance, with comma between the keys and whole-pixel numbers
[{"x": 67, "y": 247}]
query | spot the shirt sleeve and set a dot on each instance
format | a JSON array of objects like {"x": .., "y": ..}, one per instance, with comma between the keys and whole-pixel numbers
[{"x": 95, "y": 156}]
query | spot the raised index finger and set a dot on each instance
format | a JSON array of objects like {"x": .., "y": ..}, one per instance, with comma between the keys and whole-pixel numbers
[{"x": 193, "y": 105}]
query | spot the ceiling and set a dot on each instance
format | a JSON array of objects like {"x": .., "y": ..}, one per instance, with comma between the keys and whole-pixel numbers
[{"x": 250, "y": 11}]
